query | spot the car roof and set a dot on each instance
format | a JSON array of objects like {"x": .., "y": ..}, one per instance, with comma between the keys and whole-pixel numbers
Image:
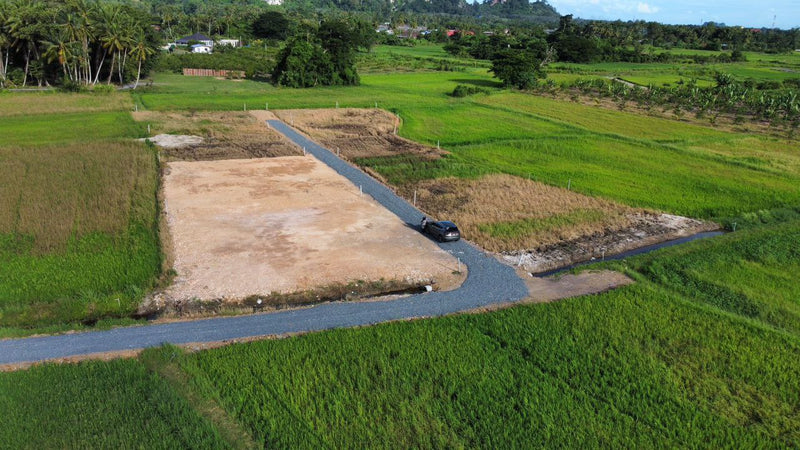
[{"x": 447, "y": 223}]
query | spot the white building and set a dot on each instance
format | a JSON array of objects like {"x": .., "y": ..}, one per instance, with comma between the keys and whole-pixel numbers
[{"x": 201, "y": 48}]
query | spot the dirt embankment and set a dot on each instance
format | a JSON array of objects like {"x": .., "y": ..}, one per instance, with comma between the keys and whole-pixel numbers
[{"x": 645, "y": 229}]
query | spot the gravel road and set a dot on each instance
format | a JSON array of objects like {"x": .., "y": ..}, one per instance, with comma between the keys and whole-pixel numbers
[{"x": 488, "y": 282}]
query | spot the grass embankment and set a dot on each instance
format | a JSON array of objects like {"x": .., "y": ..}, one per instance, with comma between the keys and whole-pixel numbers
[
  {"x": 78, "y": 237},
  {"x": 752, "y": 274}
]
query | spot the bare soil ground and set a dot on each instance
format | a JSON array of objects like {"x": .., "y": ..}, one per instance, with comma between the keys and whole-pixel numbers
[
  {"x": 356, "y": 133},
  {"x": 252, "y": 227},
  {"x": 572, "y": 285},
  {"x": 222, "y": 135}
]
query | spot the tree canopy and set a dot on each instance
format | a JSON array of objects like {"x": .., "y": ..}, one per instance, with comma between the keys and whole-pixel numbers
[
  {"x": 73, "y": 42},
  {"x": 325, "y": 55}
]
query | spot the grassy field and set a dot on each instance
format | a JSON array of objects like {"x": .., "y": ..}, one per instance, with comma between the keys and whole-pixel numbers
[
  {"x": 757, "y": 67},
  {"x": 638, "y": 160},
  {"x": 753, "y": 275},
  {"x": 78, "y": 211},
  {"x": 117, "y": 404}
]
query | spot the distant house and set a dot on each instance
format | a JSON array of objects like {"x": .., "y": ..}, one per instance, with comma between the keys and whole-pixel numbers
[
  {"x": 197, "y": 37},
  {"x": 406, "y": 31},
  {"x": 229, "y": 42},
  {"x": 201, "y": 48}
]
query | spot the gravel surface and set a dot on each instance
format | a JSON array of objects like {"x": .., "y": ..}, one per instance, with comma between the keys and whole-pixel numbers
[{"x": 488, "y": 282}]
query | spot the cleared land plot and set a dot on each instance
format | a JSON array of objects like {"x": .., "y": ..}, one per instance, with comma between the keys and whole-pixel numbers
[
  {"x": 226, "y": 135},
  {"x": 247, "y": 227},
  {"x": 356, "y": 133}
]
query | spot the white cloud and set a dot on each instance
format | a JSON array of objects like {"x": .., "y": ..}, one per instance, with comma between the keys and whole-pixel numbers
[{"x": 644, "y": 8}]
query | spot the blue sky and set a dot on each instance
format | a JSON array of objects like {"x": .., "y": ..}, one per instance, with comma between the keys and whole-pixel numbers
[{"x": 732, "y": 12}]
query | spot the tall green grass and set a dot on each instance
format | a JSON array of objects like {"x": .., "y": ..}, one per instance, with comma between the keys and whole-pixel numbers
[
  {"x": 43, "y": 129},
  {"x": 750, "y": 273},
  {"x": 78, "y": 238},
  {"x": 116, "y": 404}
]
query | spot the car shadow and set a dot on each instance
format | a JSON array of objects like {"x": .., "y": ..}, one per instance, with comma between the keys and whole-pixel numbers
[{"x": 418, "y": 229}]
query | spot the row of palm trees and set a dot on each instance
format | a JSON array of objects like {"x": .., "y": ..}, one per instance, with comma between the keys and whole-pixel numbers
[{"x": 75, "y": 41}]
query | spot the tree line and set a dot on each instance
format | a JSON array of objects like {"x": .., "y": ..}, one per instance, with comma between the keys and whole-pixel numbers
[{"x": 73, "y": 43}]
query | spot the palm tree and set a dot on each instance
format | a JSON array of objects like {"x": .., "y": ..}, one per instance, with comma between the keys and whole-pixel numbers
[
  {"x": 141, "y": 50},
  {"x": 114, "y": 38},
  {"x": 107, "y": 35},
  {"x": 5, "y": 42},
  {"x": 80, "y": 27},
  {"x": 26, "y": 25},
  {"x": 59, "y": 49}
]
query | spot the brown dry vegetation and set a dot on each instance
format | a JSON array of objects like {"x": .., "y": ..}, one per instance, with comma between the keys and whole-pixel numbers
[
  {"x": 506, "y": 213},
  {"x": 27, "y": 104},
  {"x": 54, "y": 193},
  {"x": 356, "y": 133},
  {"x": 228, "y": 135}
]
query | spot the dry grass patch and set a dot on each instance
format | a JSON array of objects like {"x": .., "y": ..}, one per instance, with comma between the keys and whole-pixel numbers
[
  {"x": 507, "y": 213},
  {"x": 35, "y": 103},
  {"x": 227, "y": 135},
  {"x": 356, "y": 133},
  {"x": 51, "y": 194}
]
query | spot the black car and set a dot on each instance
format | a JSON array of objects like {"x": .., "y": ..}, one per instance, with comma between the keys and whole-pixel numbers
[{"x": 442, "y": 230}]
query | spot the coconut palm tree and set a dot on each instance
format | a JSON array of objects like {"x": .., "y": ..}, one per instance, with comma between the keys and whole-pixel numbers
[
  {"x": 26, "y": 28},
  {"x": 5, "y": 42},
  {"x": 141, "y": 50},
  {"x": 59, "y": 49}
]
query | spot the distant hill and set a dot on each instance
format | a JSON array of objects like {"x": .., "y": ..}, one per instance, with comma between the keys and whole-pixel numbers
[{"x": 538, "y": 11}]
